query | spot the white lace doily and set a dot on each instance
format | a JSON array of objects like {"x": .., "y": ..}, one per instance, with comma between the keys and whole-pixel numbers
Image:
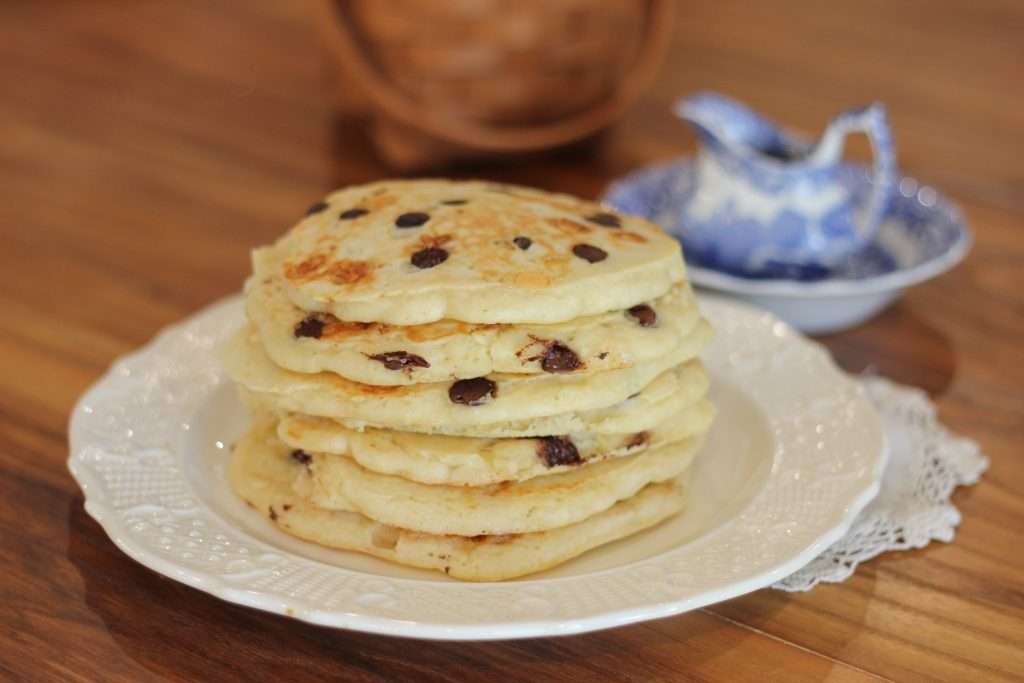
[{"x": 926, "y": 463}]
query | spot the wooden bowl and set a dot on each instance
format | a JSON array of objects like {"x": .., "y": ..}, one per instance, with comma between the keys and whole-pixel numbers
[{"x": 450, "y": 79}]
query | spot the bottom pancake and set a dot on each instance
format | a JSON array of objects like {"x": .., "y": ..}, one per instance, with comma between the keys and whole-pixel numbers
[{"x": 263, "y": 478}]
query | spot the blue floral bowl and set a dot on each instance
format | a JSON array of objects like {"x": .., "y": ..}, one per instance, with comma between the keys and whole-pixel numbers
[{"x": 920, "y": 236}]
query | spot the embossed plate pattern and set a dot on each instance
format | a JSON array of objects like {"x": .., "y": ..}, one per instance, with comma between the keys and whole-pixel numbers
[{"x": 795, "y": 454}]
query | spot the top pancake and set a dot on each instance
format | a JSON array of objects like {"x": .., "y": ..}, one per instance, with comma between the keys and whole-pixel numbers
[{"x": 408, "y": 252}]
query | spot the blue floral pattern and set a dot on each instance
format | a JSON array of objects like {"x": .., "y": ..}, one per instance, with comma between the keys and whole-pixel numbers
[
  {"x": 918, "y": 225},
  {"x": 764, "y": 202}
]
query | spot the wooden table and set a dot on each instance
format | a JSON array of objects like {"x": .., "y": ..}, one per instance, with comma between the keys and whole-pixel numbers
[{"x": 146, "y": 146}]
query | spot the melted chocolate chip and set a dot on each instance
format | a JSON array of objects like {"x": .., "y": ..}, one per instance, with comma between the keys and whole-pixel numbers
[
  {"x": 273, "y": 513},
  {"x": 454, "y": 202},
  {"x": 302, "y": 457},
  {"x": 352, "y": 213},
  {"x": 523, "y": 242},
  {"x": 316, "y": 208},
  {"x": 560, "y": 358},
  {"x": 558, "y": 450},
  {"x": 638, "y": 439},
  {"x": 399, "y": 360},
  {"x": 607, "y": 220},
  {"x": 590, "y": 253},
  {"x": 310, "y": 326},
  {"x": 644, "y": 315},
  {"x": 429, "y": 257},
  {"x": 472, "y": 392},
  {"x": 287, "y": 507},
  {"x": 413, "y": 219}
]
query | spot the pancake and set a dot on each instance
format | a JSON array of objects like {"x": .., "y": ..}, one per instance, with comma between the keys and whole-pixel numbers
[
  {"x": 478, "y": 405},
  {"x": 465, "y": 461},
  {"x": 537, "y": 504},
  {"x": 408, "y": 252},
  {"x": 669, "y": 393},
  {"x": 262, "y": 477},
  {"x": 382, "y": 354}
]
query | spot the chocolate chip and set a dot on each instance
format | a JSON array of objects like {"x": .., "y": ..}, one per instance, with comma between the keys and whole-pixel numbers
[
  {"x": 429, "y": 257},
  {"x": 352, "y": 213},
  {"x": 644, "y": 315},
  {"x": 590, "y": 253},
  {"x": 454, "y": 202},
  {"x": 523, "y": 242},
  {"x": 560, "y": 358},
  {"x": 316, "y": 208},
  {"x": 608, "y": 220},
  {"x": 413, "y": 219},
  {"x": 273, "y": 513},
  {"x": 310, "y": 326},
  {"x": 302, "y": 457},
  {"x": 638, "y": 439},
  {"x": 399, "y": 360},
  {"x": 472, "y": 392},
  {"x": 558, "y": 450}
]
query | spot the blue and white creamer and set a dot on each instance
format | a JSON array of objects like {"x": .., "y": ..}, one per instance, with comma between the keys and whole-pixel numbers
[{"x": 767, "y": 203}]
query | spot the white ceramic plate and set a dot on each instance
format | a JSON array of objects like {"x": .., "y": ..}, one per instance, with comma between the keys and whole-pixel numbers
[{"x": 795, "y": 454}]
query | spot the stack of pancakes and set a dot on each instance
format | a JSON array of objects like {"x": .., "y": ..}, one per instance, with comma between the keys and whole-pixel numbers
[{"x": 481, "y": 379}]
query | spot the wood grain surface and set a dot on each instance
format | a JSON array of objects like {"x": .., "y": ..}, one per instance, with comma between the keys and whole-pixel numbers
[{"x": 146, "y": 146}]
